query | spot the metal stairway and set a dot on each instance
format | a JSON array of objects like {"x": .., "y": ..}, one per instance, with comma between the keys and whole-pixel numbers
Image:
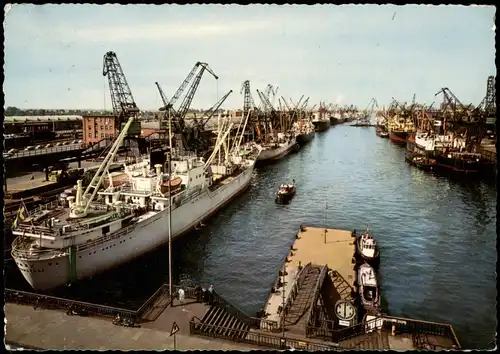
[
  {"x": 218, "y": 322},
  {"x": 304, "y": 297}
]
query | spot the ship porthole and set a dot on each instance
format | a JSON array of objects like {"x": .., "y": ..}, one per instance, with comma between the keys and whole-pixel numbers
[
  {"x": 50, "y": 264},
  {"x": 57, "y": 264}
]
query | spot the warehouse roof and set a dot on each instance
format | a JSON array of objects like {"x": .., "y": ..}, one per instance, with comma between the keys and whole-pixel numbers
[{"x": 38, "y": 119}]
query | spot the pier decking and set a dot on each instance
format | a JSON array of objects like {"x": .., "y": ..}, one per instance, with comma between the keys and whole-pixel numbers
[{"x": 334, "y": 249}]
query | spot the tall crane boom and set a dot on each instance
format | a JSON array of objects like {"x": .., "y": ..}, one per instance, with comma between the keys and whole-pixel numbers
[
  {"x": 209, "y": 114},
  {"x": 265, "y": 101},
  {"x": 124, "y": 105},
  {"x": 186, "y": 103},
  {"x": 183, "y": 86},
  {"x": 248, "y": 102},
  {"x": 164, "y": 98}
]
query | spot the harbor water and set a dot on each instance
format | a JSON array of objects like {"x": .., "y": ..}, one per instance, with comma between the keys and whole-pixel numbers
[{"x": 437, "y": 236}]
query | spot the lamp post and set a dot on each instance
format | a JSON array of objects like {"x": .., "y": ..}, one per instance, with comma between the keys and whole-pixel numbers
[
  {"x": 283, "y": 341},
  {"x": 170, "y": 208}
]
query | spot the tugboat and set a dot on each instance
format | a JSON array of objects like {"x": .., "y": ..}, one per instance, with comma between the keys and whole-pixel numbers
[
  {"x": 369, "y": 289},
  {"x": 368, "y": 248},
  {"x": 285, "y": 193}
]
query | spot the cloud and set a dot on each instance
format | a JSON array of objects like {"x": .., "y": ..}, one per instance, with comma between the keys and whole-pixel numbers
[
  {"x": 158, "y": 32},
  {"x": 328, "y": 53}
]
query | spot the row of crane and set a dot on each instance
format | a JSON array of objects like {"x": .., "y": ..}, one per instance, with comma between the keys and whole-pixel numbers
[
  {"x": 456, "y": 117},
  {"x": 189, "y": 136},
  {"x": 266, "y": 116},
  {"x": 124, "y": 105}
]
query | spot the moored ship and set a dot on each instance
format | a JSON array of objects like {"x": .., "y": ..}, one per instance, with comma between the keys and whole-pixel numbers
[
  {"x": 278, "y": 148},
  {"x": 398, "y": 136},
  {"x": 95, "y": 231},
  {"x": 304, "y": 131},
  {"x": 321, "y": 123}
]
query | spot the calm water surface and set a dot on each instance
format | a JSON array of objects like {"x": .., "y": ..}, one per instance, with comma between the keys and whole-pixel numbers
[{"x": 437, "y": 237}]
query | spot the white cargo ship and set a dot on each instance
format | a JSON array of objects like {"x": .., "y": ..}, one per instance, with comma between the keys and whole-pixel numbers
[{"x": 95, "y": 231}]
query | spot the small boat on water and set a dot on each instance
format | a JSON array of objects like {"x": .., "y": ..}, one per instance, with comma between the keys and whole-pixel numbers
[
  {"x": 369, "y": 288},
  {"x": 368, "y": 248},
  {"x": 285, "y": 193}
]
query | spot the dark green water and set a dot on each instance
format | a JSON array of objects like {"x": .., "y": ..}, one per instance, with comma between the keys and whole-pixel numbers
[{"x": 437, "y": 236}]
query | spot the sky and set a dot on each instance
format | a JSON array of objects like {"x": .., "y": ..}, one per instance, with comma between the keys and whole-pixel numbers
[{"x": 344, "y": 54}]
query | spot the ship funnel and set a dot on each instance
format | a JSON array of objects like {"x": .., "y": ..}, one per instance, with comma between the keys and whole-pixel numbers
[
  {"x": 158, "y": 169},
  {"x": 144, "y": 171}
]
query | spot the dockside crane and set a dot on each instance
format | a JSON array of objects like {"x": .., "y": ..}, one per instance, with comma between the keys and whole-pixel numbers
[
  {"x": 461, "y": 120},
  {"x": 248, "y": 102},
  {"x": 178, "y": 116},
  {"x": 186, "y": 103},
  {"x": 126, "y": 110},
  {"x": 266, "y": 104},
  {"x": 123, "y": 102}
]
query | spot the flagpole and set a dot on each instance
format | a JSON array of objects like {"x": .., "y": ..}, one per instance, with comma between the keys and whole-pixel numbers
[{"x": 26, "y": 208}]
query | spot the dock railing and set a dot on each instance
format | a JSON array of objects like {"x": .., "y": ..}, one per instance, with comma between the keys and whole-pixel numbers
[
  {"x": 255, "y": 338},
  {"x": 52, "y": 302},
  {"x": 401, "y": 325}
]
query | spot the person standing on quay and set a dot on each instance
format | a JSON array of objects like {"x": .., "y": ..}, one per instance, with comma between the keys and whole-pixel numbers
[{"x": 211, "y": 294}]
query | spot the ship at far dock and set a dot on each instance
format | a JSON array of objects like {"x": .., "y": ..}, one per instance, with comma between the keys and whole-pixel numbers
[{"x": 320, "y": 120}]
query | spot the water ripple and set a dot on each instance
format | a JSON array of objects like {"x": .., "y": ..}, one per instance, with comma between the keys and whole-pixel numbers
[{"x": 437, "y": 237}]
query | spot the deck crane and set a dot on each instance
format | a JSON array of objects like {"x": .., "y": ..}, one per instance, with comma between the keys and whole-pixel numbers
[
  {"x": 304, "y": 105},
  {"x": 124, "y": 108}
]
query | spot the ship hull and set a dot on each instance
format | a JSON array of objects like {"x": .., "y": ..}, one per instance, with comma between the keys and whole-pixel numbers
[
  {"x": 321, "y": 125},
  {"x": 303, "y": 139},
  {"x": 133, "y": 242},
  {"x": 277, "y": 153},
  {"x": 335, "y": 120},
  {"x": 398, "y": 137}
]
